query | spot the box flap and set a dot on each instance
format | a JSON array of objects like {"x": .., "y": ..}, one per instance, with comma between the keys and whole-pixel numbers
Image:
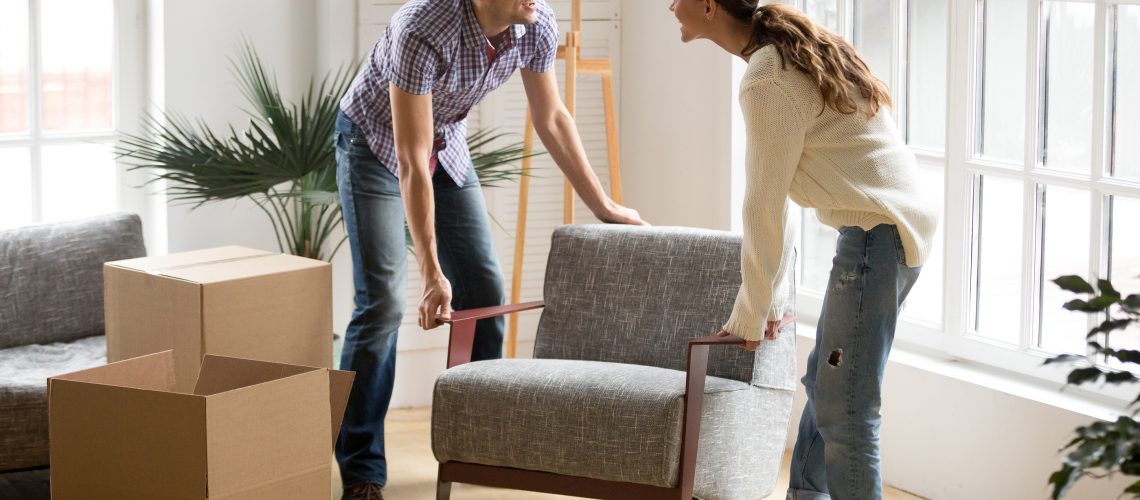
[
  {"x": 340, "y": 386},
  {"x": 238, "y": 269},
  {"x": 145, "y": 315},
  {"x": 110, "y": 442},
  {"x": 223, "y": 373},
  {"x": 263, "y": 433},
  {"x": 153, "y": 372},
  {"x": 192, "y": 258}
]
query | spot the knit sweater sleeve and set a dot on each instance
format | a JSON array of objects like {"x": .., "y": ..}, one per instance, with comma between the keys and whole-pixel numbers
[{"x": 775, "y": 128}]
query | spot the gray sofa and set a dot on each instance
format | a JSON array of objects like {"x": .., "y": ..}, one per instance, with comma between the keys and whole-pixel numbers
[
  {"x": 621, "y": 355},
  {"x": 51, "y": 319}
]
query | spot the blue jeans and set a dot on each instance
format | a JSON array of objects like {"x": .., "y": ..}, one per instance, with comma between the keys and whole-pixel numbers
[
  {"x": 374, "y": 219},
  {"x": 837, "y": 450}
]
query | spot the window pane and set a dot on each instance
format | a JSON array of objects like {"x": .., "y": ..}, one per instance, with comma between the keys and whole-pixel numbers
[
  {"x": 824, "y": 12},
  {"x": 1001, "y": 84},
  {"x": 15, "y": 184},
  {"x": 1124, "y": 270},
  {"x": 1067, "y": 107},
  {"x": 818, "y": 252},
  {"x": 13, "y": 66},
  {"x": 77, "y": 76},
  {"x": 873, "y": 35},
  {"x": 925, "y": 300},
  {"x": 926, "y": 73},
  {"x": 1126, "y": 101},
  {"x": 997, "y": 263},
  {"x": 1064, "y": 250},
  {"x": 79, "y": 180}
]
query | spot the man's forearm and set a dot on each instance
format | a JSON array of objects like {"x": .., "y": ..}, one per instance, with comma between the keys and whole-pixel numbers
[
  {"x": 419, "y": 211},
  {"x": 412, "y": 129},
  {"x": 559, "y": 135}
]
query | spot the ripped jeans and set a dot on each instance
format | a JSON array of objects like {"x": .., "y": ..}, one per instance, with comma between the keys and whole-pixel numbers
[{"x": 837, "y": 450}]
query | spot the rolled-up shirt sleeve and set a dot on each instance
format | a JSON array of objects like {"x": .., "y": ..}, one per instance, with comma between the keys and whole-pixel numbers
[
  {"x": 547, "y": 43},
  {"x": 414, "y": 64}
]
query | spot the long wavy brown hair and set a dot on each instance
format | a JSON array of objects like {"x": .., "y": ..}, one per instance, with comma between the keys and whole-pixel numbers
[{"x": 841, "y": 73}]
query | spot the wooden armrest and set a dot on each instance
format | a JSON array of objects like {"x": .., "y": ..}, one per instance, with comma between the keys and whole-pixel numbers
[
  {"x": 716, "y": 339},
  {"x": 695, "y": 373},
  {"x": 462, "y": 337},
  {"x": 490, "y": 312}
]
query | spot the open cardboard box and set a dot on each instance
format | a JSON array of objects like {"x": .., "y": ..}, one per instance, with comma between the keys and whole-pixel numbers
[
  {"x": 248, "y": 429},
  {"x": 232, "y": 301}
]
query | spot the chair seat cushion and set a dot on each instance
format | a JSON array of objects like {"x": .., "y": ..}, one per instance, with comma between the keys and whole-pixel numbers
[
  {"x": 611, "y": 421},
  {"x": 24, "y": 372}
]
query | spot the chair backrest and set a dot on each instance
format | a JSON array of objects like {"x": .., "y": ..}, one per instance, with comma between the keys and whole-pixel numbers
[
  {"x": 637, "y": 295},
  {"x": 51, "y": 277}
]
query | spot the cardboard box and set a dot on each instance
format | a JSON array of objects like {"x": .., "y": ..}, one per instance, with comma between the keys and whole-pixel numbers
[
  {"x": 231, "y": 301},
  {"x": 249, "y": 429}
]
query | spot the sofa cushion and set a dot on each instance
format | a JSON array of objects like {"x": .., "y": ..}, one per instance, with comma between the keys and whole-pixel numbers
[
  {"x": 23, "y": 395},
  {"x": 51, "y": 277},
  {"x": 608, "y": 421}
]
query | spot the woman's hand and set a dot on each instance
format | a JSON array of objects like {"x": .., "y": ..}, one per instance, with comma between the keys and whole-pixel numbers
[
  {"x": 748, "y": 345},
  {"x": 771, "y": 332}
]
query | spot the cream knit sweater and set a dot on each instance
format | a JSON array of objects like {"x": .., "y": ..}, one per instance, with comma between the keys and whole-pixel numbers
[{"x": 854, "y": 170}]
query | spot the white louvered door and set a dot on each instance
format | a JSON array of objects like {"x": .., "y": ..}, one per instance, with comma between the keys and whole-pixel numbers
[{"x": 504, "y": 110}]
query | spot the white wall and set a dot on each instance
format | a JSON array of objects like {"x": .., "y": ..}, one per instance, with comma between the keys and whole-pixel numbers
[
  {"x": 195, "y": 80},
  {"x": 191, "y": 46},
  {"x": 675, "y": 128}
]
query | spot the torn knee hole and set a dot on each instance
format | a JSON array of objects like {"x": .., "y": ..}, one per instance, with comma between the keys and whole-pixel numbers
[{"x": 836, "y": 358}]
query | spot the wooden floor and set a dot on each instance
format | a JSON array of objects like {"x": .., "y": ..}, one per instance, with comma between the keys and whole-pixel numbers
[{"x": 412, "y": 468}]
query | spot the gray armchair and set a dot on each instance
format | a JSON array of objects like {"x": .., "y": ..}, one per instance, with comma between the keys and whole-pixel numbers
[
  {"x": 617, "y": 403},
  {"x": 51, "y": 319}
]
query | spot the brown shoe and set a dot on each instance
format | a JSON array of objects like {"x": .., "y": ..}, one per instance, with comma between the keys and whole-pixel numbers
[{"x": 369, "y": 491}]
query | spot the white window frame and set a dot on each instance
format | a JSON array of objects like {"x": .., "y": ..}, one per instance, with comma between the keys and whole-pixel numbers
[
  {"x": 1025, "y": 358},
  {"x": 952, "y": 338},
  {"x": 128, "y": 95}
]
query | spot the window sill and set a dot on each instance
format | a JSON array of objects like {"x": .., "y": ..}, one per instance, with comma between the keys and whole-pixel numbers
[{"x": 1073, "y": 399}]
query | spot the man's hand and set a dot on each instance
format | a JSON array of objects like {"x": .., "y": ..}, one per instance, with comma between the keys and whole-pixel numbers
[
  {"x": 771, "y": 332},
  {"x": 617, "y": 214},
  {"x": 436, "y": 299}
]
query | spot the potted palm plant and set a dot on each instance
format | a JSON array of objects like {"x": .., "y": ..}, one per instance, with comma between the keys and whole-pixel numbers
[{"x": 284, "y": 161}]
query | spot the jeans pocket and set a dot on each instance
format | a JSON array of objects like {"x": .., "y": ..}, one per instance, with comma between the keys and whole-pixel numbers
[
  {"x": 900, "y": 250},
  {"x": 356, "y": 138},
  {"x": 358, "y": 144}
]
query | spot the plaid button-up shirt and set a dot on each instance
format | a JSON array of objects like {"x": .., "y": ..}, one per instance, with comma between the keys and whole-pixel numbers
[{"x": 437, "y": 47}]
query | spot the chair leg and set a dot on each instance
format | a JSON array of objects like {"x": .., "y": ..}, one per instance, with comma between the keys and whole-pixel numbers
[{"x": 443, "y": 490}]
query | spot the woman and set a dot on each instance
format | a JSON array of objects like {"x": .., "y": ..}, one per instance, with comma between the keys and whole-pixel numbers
[{"x": 820, "y": 131}]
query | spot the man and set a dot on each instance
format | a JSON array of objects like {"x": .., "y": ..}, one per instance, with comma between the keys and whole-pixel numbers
[{"x": 401, "y": 150}]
